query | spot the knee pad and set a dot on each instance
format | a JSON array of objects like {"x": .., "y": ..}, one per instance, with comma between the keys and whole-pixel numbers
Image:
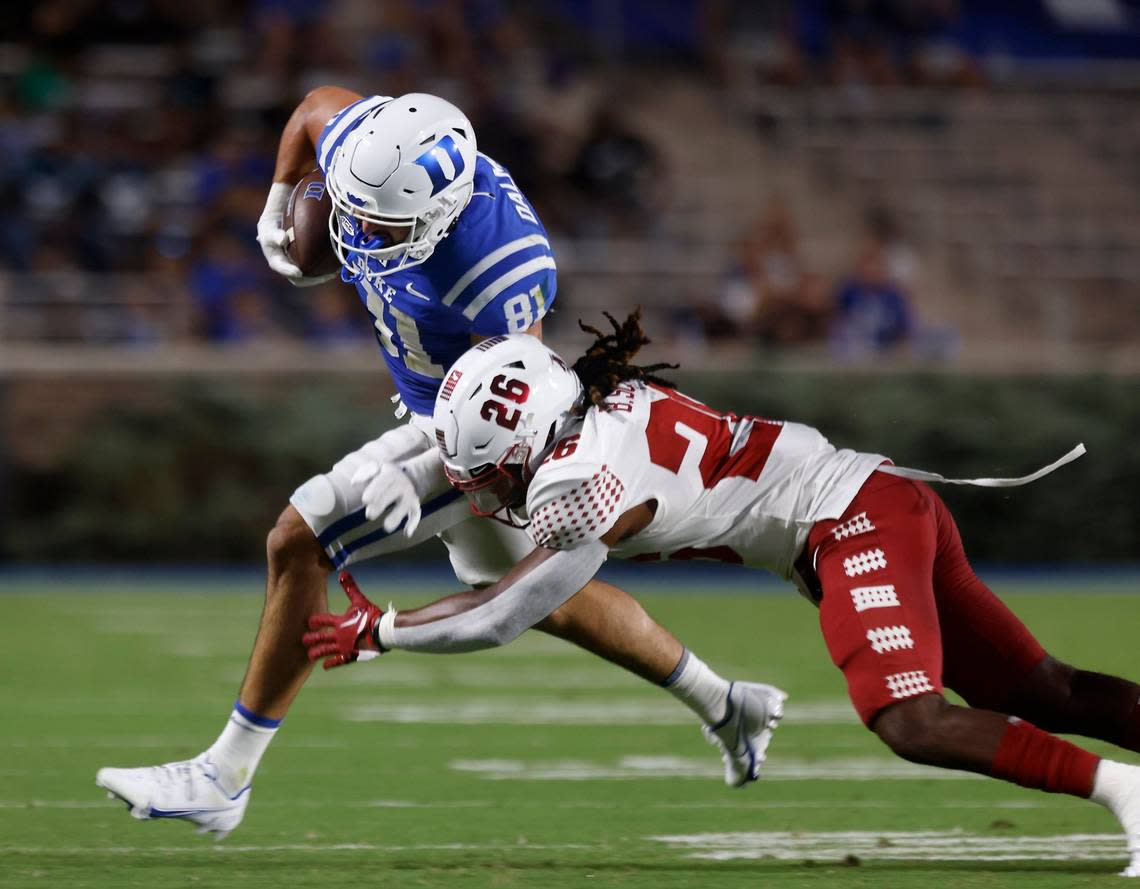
[{"x": 315, "y": 500}]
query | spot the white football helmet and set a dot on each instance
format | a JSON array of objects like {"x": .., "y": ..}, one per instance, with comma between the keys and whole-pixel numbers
[
  {"x": 500, "y": 409},
  {"x": 410, "y": 163}
]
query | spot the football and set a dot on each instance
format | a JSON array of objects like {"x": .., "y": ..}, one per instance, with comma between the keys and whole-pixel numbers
[{"x": 307, "y": 224}]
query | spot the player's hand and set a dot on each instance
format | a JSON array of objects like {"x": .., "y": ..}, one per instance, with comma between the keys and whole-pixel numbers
[
  {"x": 343, "y": 638},
  {"x": 390, "y": 493},
  {"x": 274, "y": 239}
]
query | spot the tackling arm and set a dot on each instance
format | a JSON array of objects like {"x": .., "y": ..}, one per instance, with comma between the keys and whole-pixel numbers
[
  {"x": 493, "y": 616},
  {"x": 469, "y": 621}
]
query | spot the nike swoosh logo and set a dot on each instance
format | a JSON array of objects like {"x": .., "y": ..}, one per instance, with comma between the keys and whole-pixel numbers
[{"x": 412, "y": 290}]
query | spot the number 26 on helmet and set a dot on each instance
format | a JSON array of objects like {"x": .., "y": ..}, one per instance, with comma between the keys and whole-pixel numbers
[{"x": 499, "y": 411}]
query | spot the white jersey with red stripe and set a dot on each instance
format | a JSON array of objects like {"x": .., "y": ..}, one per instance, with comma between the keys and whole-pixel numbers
[{"x": 738, "y": 489}]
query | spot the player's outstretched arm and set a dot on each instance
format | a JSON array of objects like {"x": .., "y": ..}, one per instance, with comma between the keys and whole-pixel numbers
[{"x": 468, "y": 621}]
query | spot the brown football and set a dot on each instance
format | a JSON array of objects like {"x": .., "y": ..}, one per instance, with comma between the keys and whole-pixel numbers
[{"x": 307, "y": 224}]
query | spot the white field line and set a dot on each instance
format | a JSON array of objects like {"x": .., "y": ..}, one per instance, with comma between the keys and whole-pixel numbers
[
  {"x": 954, "y": 845},
  {"x": 835, "y": 846},
  {"x": 209, "y": 848},
  {"x": 630, "y": 768},
  {"x": 840, "y": 804},
  {"x": 617, "y": 711}
]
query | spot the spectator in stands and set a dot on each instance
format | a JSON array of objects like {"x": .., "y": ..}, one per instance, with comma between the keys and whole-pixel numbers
[
  {"x": 933, "y": 46},
  {"x": 872, "y": 312},
  {"x": 767, "y": 293},
  {"x": 619, "y": 175}
]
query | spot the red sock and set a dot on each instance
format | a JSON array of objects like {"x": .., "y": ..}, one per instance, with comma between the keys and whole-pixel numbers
[{"x": 1037, "y": 759}]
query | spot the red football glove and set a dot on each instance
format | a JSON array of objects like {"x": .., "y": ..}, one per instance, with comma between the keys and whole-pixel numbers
[{"x": 341, "y": 638}]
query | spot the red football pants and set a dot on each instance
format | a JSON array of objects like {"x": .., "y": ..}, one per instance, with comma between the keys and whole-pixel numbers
[{"x": 903, "y": 613}]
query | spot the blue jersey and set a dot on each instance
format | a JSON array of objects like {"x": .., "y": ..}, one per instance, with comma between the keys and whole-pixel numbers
[{"x": 494, "y": 273}]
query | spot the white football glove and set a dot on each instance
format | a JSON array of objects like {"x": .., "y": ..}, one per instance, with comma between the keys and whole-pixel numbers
[
  {"x": 388, "y": 492},
  {"x": 274, "y": 239}
]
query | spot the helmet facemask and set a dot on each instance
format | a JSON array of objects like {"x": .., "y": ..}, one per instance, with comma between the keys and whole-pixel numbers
[
  {"x": 495, "y": 488},
  {"x": 367, "y": 256}
]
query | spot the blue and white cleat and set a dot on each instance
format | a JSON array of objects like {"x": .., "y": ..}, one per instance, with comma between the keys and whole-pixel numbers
[
  {"x": 743, "y": 736},
  {"x": 188, "y": 790}
]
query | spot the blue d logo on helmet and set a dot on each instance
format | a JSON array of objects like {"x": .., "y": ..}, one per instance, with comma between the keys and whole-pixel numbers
[{"x": 443, "y": 162}]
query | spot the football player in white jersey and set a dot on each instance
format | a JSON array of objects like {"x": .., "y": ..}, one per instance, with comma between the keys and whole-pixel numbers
[
  {"x": 444, "y": 251},
  {"x": 605, "y": 458}
]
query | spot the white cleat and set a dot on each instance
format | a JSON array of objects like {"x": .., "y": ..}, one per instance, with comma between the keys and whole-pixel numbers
[
  {"x": 187, "y": 790},
  {"x": 754, "y": 711}
]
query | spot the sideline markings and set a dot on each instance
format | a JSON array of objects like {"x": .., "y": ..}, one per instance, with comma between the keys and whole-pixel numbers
[{"x": 952, "y": 845}]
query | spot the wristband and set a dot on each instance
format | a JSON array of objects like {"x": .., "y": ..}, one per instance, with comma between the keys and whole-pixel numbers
[
  {"x": 278, "y": 198},
  {"x": 384, "y": 629}
]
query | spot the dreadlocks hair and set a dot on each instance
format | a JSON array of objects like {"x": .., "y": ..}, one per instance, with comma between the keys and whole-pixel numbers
[{"x": 606, "y": 365}]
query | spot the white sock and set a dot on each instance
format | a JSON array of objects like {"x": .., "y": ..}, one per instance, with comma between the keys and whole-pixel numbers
[
  {"x": 240, "y": 746},
  {"x": 1115, "y": 784},
  {"x": 1117, "y": 788},
  {"x": 694, "y": 684}
]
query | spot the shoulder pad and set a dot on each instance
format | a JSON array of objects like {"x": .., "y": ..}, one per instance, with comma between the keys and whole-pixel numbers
[{"x": 568, "y": 509}]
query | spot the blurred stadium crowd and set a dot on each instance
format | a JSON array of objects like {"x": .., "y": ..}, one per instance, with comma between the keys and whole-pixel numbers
[{"x": 849, "y": 176}]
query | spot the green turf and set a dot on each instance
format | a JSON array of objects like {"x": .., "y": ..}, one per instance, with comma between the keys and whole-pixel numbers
[{"x": 113, "y": 678}]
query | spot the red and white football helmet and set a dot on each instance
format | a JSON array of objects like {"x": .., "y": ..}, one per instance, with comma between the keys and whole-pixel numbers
[
  {"x": 500, "y": 409},
  {"x": 410, "y": 163}
]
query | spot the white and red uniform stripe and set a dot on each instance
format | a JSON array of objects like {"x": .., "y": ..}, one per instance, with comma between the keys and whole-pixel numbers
[{"x": 738, "y": 489}]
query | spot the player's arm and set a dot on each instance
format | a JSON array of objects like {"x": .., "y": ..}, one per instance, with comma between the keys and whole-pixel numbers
[
  {"x": 297, "y": 150},
  {"x": 296, "y": 156},
  {"x": 485, "y": 618}
]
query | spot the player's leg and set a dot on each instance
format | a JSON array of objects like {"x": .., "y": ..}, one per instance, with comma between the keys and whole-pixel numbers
[
  {"x": 1061, "y": 698},
  {"x": 739, "y": 717},
  {"x": 879, "y": 566},
  {"x": 930, "y": 731},
  {"x": 995, "y": 663},
  {"x": 607, "y": 621},
  {"x": 295, "y": 587},
  {"x": 212, "y": 789}
]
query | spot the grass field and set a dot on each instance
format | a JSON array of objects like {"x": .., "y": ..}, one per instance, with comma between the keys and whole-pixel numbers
[{"x": 530, "y": 766}]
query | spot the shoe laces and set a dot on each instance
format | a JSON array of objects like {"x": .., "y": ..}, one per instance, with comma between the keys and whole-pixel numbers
[{"x": 188, "y": 773}]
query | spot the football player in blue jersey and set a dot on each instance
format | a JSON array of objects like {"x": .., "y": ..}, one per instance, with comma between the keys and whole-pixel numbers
[{"x": 444, "y": 251}]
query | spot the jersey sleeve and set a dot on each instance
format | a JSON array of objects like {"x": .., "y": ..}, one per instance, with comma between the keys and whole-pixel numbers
[
  {"x": 527, "y": 291},
  {"x": 341, "y": 124},
  {"x": 570, "y": 509},
  {"x": 510, "y": 288},
  {"x": 501, "y": 273}
]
